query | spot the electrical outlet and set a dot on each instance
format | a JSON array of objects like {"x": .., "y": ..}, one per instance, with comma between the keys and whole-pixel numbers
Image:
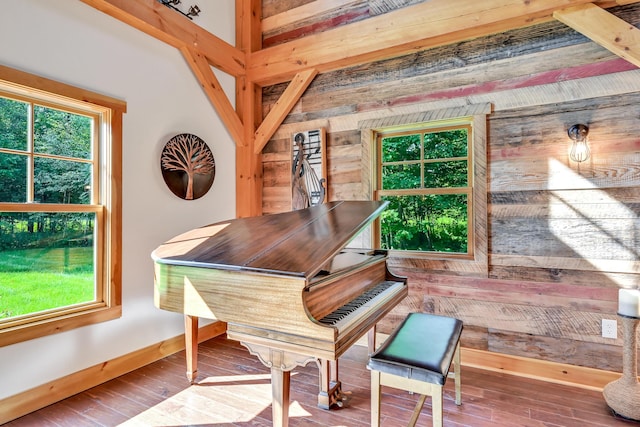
[{"x": 609, "y": 328}]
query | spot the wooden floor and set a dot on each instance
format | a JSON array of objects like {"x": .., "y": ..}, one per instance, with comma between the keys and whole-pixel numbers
[{"x": 234, "y": 390}]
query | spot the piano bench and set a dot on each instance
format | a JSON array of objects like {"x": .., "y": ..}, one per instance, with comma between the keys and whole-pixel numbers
[{"x": 417, "y": 357}]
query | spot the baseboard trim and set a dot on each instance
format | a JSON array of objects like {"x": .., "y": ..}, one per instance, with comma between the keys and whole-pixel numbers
[
  {"x": 38, "y": 397},
  {"x": 558, "y": 373}
]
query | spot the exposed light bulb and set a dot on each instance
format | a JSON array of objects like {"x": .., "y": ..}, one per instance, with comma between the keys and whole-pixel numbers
[
  {"x": 580, "y": 145},
  {"x": 579, "y": 151}
]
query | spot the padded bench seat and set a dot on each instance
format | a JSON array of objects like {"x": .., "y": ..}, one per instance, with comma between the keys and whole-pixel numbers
[{"x": 417, "y": 357}]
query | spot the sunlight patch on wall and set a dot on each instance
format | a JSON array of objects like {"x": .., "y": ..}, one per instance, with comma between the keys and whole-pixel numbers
[{"x": 594, "y": 225}]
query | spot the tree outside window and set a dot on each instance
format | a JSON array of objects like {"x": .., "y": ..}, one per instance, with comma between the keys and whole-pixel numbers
[
  {"x": 47, "y": 257},
  {"x": 425, "y": 175},
  {"x": 59, "y": 212}
]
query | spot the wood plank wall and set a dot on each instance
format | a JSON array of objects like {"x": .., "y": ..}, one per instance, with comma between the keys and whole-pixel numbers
[{"x": 562, "y": 237}]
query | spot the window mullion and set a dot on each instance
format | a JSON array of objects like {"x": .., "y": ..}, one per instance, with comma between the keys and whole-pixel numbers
[
  {"x": 30, "y": 147},
  {"x": 422, "y": 160},
  {"x": 96, "y": 175}
]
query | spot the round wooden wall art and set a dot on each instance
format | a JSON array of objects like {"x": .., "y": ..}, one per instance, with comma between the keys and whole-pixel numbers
[{"x": 188, "y": 167}]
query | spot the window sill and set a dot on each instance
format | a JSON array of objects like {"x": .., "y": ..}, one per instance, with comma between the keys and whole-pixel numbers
[{"x": 37, "y": 329}]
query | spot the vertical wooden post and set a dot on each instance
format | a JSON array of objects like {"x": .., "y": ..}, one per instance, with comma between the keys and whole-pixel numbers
[{"x": 249, "y": 109}]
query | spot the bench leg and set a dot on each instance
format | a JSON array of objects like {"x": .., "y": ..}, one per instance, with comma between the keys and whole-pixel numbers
[
  {"x": 457, "y": 369},
  {"x": 455, "y": 373},
  {"x": 436, "y": 406},
  {"x": 375, "y": 399},
  {"x": 417, "y": 410}
]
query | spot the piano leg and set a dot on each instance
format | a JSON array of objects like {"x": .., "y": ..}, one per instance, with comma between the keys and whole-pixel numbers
[
  {"x": 191, "y": 346},
  {"x": 281, "y": 363},
  {"x": 371, "y": 340},
  {"x": 330, "y": 386},
  {"x": 324, "y": 400},
  {"x": 280, "y": 389}
]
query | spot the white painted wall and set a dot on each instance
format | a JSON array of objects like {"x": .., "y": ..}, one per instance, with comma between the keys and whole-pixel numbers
[{"x": 68, "y": 41}]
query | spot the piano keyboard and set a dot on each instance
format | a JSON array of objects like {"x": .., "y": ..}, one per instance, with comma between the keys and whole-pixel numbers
[{"x": 349, "y": 309}]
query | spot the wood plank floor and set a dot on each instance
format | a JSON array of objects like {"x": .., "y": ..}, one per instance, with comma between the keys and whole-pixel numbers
[{"x": 234, "y": 389}]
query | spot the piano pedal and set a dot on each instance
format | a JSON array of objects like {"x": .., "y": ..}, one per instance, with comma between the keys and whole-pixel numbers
[
  {"x": 335, "y": 396},
  {"x": 343, "y": 398}
]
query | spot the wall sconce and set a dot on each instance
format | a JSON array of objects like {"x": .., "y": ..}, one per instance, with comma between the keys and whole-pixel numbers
[{"x": 580, "y": 144}]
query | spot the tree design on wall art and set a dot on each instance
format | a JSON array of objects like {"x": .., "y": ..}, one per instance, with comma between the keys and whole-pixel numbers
[{"x": 188, "y": 167}]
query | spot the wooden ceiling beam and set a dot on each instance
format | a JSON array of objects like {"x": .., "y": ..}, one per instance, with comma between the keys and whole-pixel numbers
[
  {"x": 157, "y": 20},
  {"x": 604, "y": 28},
  {"x": 212, "y": 88},
  {"x": 404, "y": 31}
]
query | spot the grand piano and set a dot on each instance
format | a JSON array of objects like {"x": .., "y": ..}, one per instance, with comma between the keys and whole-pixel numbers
[{"x": 287, "y": 286}]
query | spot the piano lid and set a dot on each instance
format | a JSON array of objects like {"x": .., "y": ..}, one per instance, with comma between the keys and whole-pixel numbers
[{"x": 296, "y": 243}]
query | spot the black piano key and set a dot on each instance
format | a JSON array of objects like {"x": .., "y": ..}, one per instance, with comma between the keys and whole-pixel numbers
[{"x": 344, "y": 311}]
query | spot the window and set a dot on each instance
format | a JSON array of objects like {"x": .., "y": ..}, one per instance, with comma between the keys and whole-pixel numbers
[
  {"x": 431, "y": 168},
  {"x": 424, "y": 173},
  {"x": 60, "y": 249}
]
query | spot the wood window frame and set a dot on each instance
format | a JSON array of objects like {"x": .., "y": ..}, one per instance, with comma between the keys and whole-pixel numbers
[
  {"x": 476, "y": 262},
  {"x": 108, "y": 210},
  {"x": 420, "y": 129}
]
